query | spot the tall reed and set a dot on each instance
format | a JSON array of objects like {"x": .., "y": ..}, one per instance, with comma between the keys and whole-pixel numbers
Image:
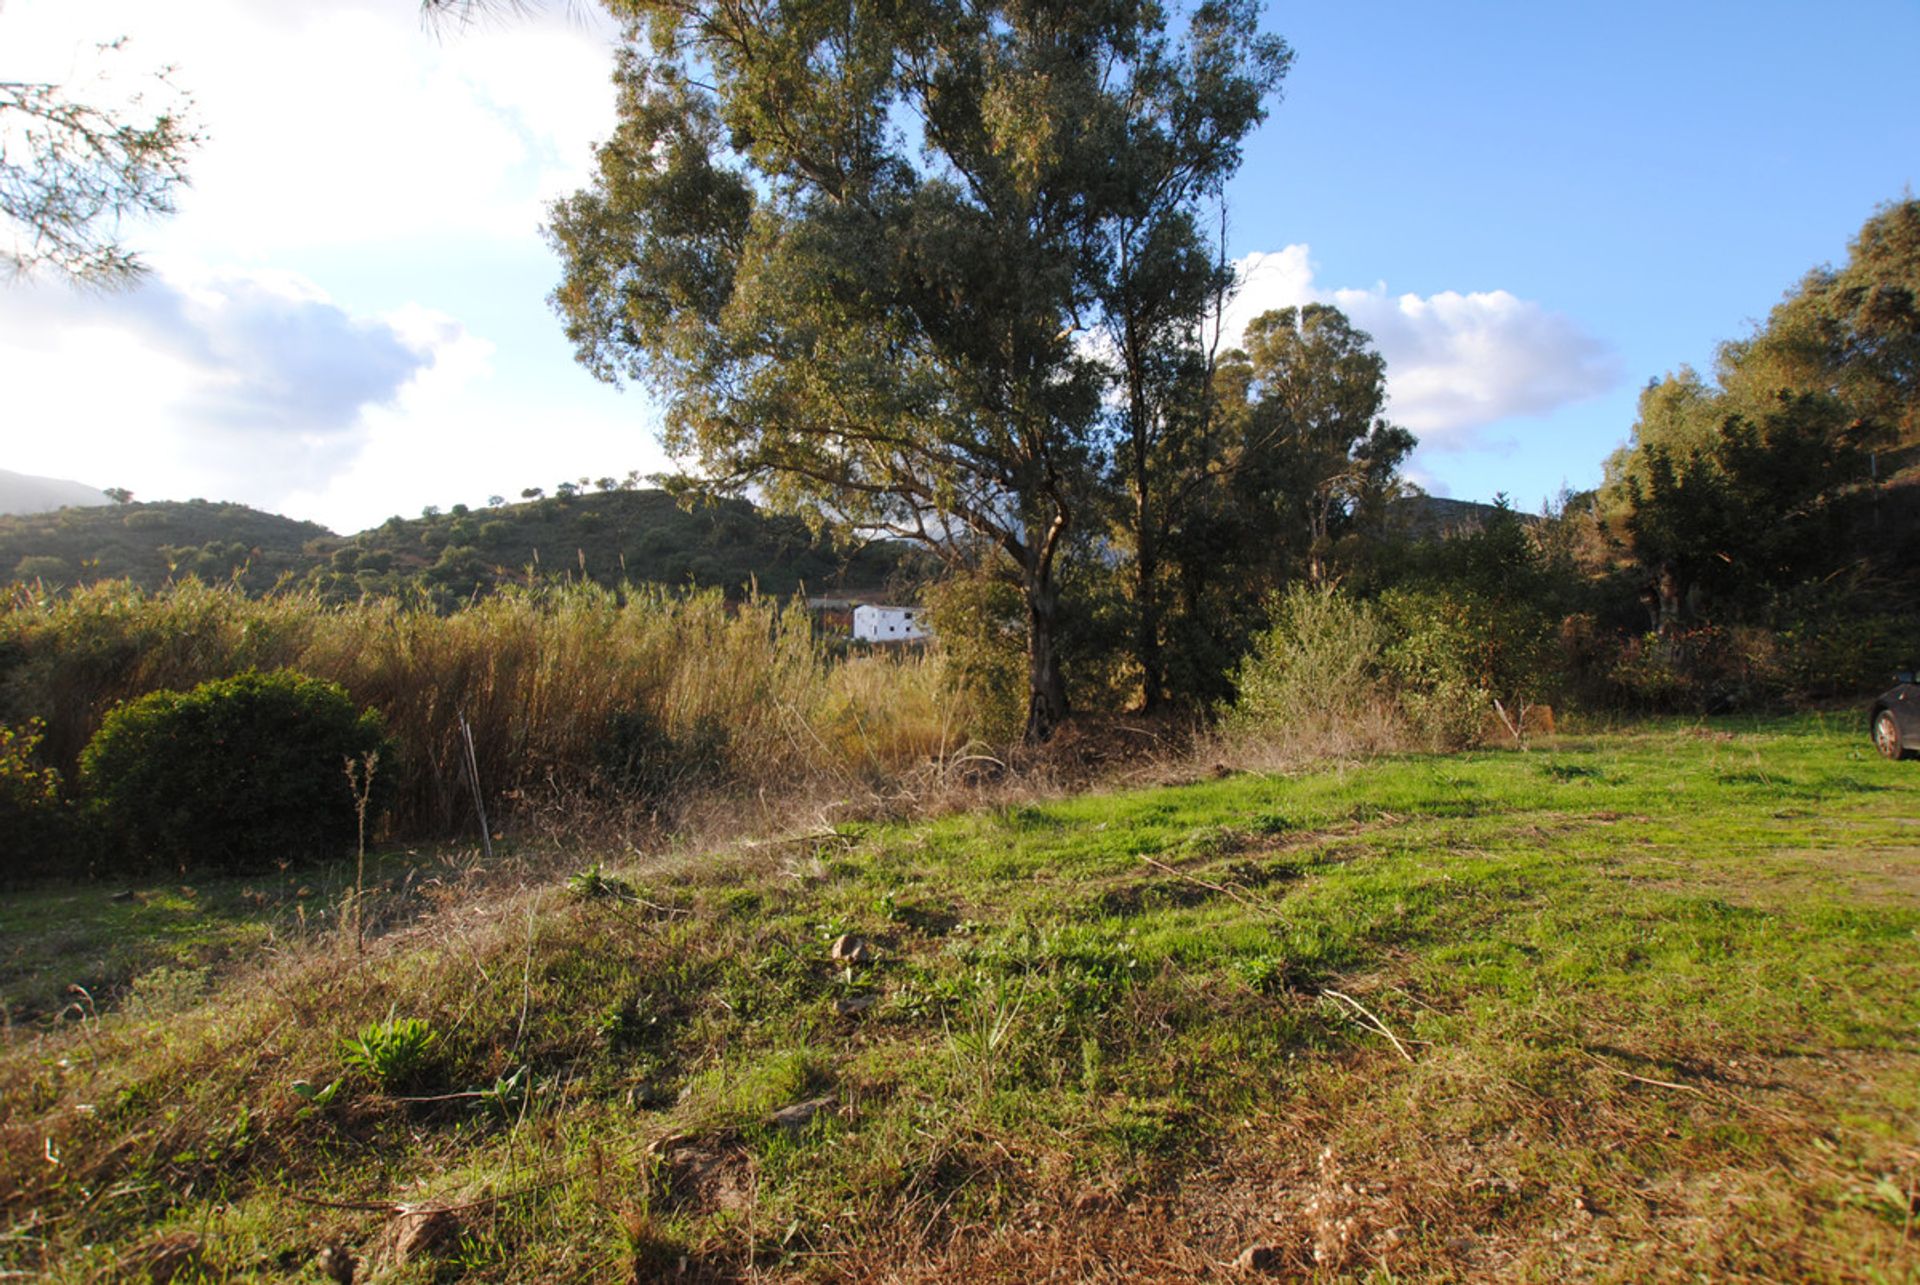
[{"x": 539, "y": 674}]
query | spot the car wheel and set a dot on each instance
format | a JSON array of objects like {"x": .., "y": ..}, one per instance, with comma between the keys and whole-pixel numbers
[{"x": 1886, "y": 735}]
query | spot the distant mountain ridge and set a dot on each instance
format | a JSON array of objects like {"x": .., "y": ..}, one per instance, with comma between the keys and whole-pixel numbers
[
  {"x": 1430, "y": 517},
  {"x": 22, "y": 493},
  {"x": 609, "y": 537}
]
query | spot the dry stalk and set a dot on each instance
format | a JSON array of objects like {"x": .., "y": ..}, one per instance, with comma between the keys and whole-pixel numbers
[
  {"x": 1370, "y": 1021},
  {"x": 1211, "y": 887},
  {"x": 360, "y": 782}
]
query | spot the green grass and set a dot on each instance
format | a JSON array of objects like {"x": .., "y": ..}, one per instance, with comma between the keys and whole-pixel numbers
[{"x": 1659, "y": 988}]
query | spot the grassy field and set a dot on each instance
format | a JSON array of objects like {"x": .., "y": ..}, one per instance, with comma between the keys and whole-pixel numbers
[{"x": 1638, "y": 1005}]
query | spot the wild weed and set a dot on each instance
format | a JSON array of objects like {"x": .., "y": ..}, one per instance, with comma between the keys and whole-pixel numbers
[{"x": 396, "y": 1052}]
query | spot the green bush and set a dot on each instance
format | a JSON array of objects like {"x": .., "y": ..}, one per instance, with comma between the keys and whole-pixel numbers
[
  {"x": 239, "y": 774},
  {"x": 1458, "y": 650},
  {"x": 36, "y": 830},
  {"x": 1704, "y": 670},
  {"x": 1319, "y": 661},
  {"x": 981, "y": 625}
]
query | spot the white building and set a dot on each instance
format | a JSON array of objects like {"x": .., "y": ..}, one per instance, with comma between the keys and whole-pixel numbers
[{"x": 890, "y": 624}]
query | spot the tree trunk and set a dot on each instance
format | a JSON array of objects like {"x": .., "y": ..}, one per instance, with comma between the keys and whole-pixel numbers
[
  {"x": 1046, "y": 688},
  {"x": 1666, "y": 586},
  {"x": 1153, "y": 675}
]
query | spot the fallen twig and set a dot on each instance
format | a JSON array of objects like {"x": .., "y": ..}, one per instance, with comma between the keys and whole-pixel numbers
[
  {"x": 1222, "y": 889},
  {"x": 1372, "y": 1022},
  {"x": 1641, "y": 1079}
]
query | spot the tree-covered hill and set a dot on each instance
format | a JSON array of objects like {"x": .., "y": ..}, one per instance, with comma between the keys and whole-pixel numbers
[
  {"x": 607, "y": 537},
  {"x": 152, "y": 543}
]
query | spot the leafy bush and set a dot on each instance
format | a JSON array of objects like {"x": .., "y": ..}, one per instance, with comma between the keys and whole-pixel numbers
[
  {"x": 981, "y": 625},
  {"x": 1456, "y": 651},
  {"x": 1842, "y": 641},
  {"x": 239, "y": 774},
  {"x": 1707, "y": 670},
  {"x": 1319, "y": 661},
  {"x": 38, "y": 829}
]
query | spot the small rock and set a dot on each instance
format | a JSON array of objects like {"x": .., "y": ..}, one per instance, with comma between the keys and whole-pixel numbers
[
  {"x": 849, "y": 949},
  {"x": 796, "y": 1117},
  {"x": 414, "y": 1233},
  {"x": 848, "y": 1005},
  {"x": 1259, "y": 1258}
]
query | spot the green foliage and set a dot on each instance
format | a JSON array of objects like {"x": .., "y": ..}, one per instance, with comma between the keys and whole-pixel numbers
[
  {"x": 238, "y": 774},
  {"x": 595, "y": 884},
  {"x": 978, "y": 619},
  {"x": 1292, "y": 480},
  {"x": 1457, "y": 651},
  {"x": 1759, "y": 504},
  {"x": 153, "y": 543},
  {"x": 38, "y": 830},
  {"x": 1318, "y": 662},
  {"x": 1444, "y": 644},
  {"x": 644, "y": 761},
  {"x": 610, "y": 538},
  {"x": 396, "y": 1053},
  {"x": 880, "y": 328},
  {"x": 1791, "y": 466}
]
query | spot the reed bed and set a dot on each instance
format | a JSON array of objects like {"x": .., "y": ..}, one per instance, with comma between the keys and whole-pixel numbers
[{"x": 540, "y": 674}]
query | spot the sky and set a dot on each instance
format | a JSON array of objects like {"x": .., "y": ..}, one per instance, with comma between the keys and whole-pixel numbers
[{"x": 1533, "y": 209}]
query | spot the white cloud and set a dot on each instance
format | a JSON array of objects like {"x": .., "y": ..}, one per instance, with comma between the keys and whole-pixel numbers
[
  {"x": 257, "y": 387},
  {"x": 347, "y": 139},
  {"x": 1456, "y": 363},
  {"x": 234, "y": 385},
  {"x": 453, "y": 438}
]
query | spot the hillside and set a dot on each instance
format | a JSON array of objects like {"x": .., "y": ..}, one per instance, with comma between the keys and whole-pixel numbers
[
  {"x": 608, "y": 537},
  {"x": 152, "y": 543},
  {"x": 1419, "y": 516},
  {"x": 1604, "y": 1010},
  {"x": 25, "y": 493}
]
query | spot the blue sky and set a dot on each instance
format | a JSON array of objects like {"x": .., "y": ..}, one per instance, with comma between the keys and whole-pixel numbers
[
  {"x": 1534, "y": 208},
  {"x": 1658, "y": 174}
]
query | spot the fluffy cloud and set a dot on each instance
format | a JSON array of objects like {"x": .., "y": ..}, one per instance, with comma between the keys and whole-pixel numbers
[
  {"x": 392, "y": 163},
  {"x": 241, "y": 386},
  {"x": 1456, "y": 363}
]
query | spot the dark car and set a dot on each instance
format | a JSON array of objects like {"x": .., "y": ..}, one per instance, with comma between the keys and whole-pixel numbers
[{"x": 1896, "y": 718}]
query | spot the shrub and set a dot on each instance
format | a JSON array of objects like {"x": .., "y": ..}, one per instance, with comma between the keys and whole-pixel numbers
[
  {"x": 1707, "y": 669},
  {"x": 238, "y": 774},
  {"x": 1456, "y": 651},
  {"x": 982, "y": 630},
  {"x": 1317, "y": 664},
  {"x": 37, "y": 827}
]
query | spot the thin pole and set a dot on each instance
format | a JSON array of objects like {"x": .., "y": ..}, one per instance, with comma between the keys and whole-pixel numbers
[{"x": 473, "y": 779}]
